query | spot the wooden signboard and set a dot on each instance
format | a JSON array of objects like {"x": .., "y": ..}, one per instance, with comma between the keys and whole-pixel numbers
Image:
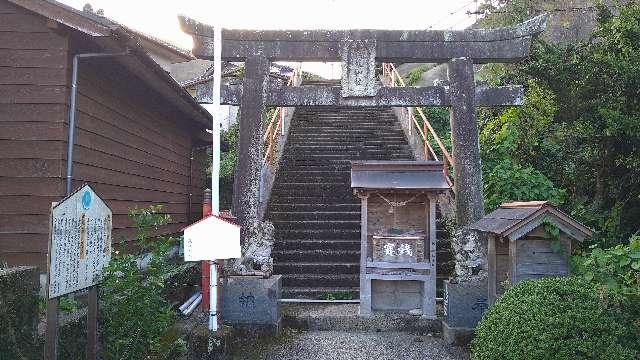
[
  {"x": 79, "y": 249},
  {"x": 80, "y": 243}
]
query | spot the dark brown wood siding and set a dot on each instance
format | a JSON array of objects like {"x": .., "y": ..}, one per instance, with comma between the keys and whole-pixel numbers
[
  {"x": 33, "y": 107},
  {"x": 131, "y": 146}
]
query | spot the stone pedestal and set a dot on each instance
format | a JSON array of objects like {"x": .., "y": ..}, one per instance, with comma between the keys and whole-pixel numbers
[
  {"x": 251, "y": 303},
  {"x": 464, "y": 305}
]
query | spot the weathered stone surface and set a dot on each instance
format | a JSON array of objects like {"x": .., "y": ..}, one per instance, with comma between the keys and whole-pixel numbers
[
  {"x": 466, "y": 146},
  {"x": 247, "y": 180},
  {"x": 385, "y": 96},
  {"x": 256, "y": 252},
  {"x": 470, "y": 252},
  {"x": 435, "y": 46},
  {"x": 251, "y": 302},
  {"x": 465, "y": 303},
  {"x": 358, "y": 67}
]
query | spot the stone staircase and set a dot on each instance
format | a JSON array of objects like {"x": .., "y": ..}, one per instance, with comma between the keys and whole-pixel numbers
[{"x": 313, "y": 209}]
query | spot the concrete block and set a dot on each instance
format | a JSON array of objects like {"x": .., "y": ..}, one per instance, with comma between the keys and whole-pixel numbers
[{"x": 251, "y": 303}]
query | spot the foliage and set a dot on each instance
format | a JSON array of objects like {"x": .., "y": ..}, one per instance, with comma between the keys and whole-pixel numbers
[
  {"x": 229, "y": 158},
  {"x": 415, "y": 75},
  {"x": 553, "y": 232},
  {"x": 512, "y": 182},
  {"x": 137, "y": 320},
  {"x": 552, "y": 318},
  {"x": 616, "y": 269},
  {"x": 596, "y": 86},
  {"x": 311, "y": 76},
  {"x": 66, "y": 305},
  {"x": 500, "y": 13},
  {"x": 580, "y": 125},
  {"x": 228, "y": 162},
  {"x": 616, "y": 274}
]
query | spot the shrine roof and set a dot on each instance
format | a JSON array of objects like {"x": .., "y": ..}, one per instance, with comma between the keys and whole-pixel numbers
[
  {"x": 401, "y": 175},
  {"x": 515, "y": 219}
]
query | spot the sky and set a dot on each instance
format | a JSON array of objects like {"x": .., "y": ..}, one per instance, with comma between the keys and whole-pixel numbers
[{"x": 159, "y": 17}]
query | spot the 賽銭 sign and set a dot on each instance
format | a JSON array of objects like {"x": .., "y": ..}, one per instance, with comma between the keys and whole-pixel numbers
[{"x": 79, "y": 243}]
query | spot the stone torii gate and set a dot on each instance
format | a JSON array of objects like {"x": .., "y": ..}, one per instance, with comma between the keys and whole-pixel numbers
[{"x": 358, "y": 51}]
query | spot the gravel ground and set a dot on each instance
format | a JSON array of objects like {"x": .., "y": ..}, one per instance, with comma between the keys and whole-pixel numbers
[{"x": 339, "y": 345}]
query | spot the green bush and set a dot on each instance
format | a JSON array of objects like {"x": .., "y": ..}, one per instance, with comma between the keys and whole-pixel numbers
[
  {"x": 552, "y": 318},
  {"x": 615, "y": 273},
  {"x": 137, "y": 320}
]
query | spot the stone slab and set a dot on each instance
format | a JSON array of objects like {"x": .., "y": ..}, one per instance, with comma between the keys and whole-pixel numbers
[
  {"x": 251, "y": 302},
  {"x": 465, "y": 303}
]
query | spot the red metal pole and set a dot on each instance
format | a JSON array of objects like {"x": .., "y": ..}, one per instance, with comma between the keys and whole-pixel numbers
[{"x": 204, "y": 286}]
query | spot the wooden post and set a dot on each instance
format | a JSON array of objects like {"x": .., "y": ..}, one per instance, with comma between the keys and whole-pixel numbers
[
  {"x": 51, "y": 335},
  {"x": 491, "y": 281},
  {"x": 513, "y": 278},
  {"x": 92, "y": 323},
  {"x": 429, "y": 297},
  {"x": 51, "y": 339},
  {"x": 365, "y": 283}
]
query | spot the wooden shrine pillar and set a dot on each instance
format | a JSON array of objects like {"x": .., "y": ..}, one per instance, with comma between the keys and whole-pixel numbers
[{"x": 246, "y": 196}]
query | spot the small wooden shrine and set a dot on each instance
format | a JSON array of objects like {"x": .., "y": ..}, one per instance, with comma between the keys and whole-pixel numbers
[
  {"x": 520, "y": 245},
  {"x": 398, "y": 234}
]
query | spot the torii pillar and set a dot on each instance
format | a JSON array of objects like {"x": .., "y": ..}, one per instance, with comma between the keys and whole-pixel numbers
[{"x": 467, "y": 176}]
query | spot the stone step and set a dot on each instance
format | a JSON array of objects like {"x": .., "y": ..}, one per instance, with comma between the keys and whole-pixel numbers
[
  {"x": 312, "y": 206},
  {"x": 318, "y": 244},
  {"x": 317, "y": 268},
  {"x": 319, "y": 200},
  {"x": 323, "y": 280},
  {"x": 318, "y": 234},
  {"x": 291, "y": 197},
  {"x": 315, "y": 215},
  {"x": 312, "y": 178},
  {"x": 317, "y": 255},
  {"x": 295, "y": 206},
  {"x": 317, "y": 224}
]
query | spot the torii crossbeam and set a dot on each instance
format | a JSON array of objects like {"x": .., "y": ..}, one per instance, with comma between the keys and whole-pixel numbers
[{"x": 359, "y": 51}]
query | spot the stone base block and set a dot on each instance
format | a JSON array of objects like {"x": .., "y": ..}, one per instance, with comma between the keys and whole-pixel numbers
[
  {"x": 465, "y": 303},
  {"x": 251, "y": 304},
  {"x": 459, "y": 336}
]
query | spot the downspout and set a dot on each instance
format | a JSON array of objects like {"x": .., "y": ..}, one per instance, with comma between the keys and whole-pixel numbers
[{"x": 72, "y": 111}]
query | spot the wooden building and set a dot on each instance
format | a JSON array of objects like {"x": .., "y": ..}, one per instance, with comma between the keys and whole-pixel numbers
[
  {"x": 521, "y": 248},
  {"x": 139, "y": 135}
]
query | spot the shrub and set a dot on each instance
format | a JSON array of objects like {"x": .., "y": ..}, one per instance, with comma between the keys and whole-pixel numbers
[
  {"x": 136, "y": 319},
  {"x": 615, "y": 273},
  {"x": 552, "y": 318}
]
